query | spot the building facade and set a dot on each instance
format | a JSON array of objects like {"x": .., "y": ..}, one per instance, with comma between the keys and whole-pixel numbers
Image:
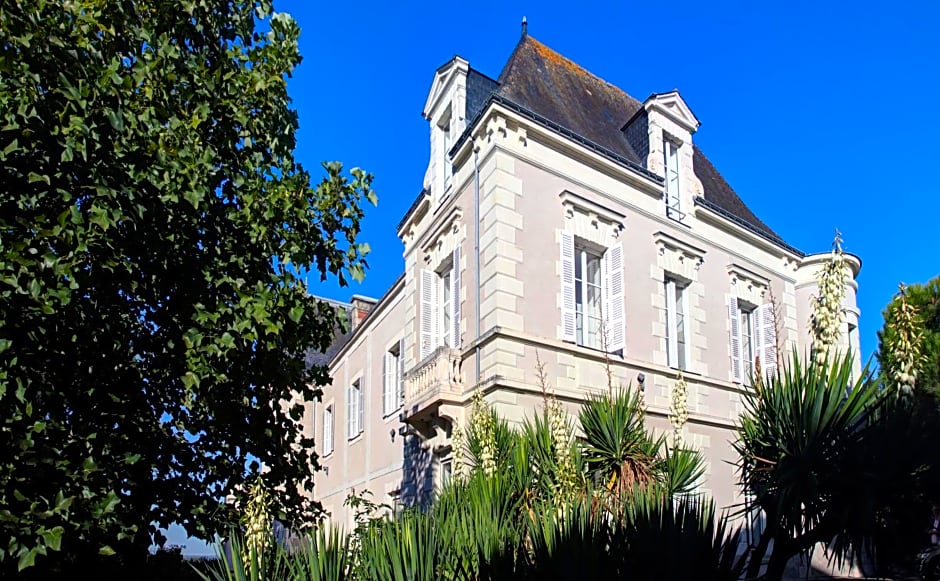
[{"x": 562, "y": 223}]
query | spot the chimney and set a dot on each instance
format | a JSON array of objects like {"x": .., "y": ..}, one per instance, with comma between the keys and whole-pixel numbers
[{"x": 360, "y": 308}]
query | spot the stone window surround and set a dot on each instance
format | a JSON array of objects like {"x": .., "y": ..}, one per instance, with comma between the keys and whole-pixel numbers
[
  {"x": 591, "y": 221},
  {"x": 680, "y": 259},
  {"x": 747, "y": 285}
]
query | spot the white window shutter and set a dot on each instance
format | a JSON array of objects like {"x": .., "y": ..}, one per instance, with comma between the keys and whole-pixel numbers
[
  {"x": 400, "y": 383},
  {"x": 428, "y": 312},
  {"x": 349, "y": 412},
  {"x": 615, "y": 305},
  {"x": 671, "y": 324},
  {"x": 734, "y": 316},
  {"x": 567, "y": 287},
  {"x": 455, "y": 301},
  {"x": 766, "y": 318},
  {"x": 388, "y": 384}
]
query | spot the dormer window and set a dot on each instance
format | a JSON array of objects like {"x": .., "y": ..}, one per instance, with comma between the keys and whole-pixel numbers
[
  {"x": 671, "y": 165},
  {"x": 446, "y": 144}
]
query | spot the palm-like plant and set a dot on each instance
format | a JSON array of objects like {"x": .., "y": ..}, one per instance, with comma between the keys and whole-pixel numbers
[
  {"x": 323, "y": 556},
  {"x": 798, "y": 444},
  {"x": 682, "y": 470},
  {"x": 617, "y": 445}
]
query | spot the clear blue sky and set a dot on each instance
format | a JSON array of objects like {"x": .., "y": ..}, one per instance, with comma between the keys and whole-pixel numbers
[{"x": 821, "y": 115}]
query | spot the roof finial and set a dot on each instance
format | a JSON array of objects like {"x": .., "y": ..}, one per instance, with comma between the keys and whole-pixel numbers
[{"x": 525, "y": 27}]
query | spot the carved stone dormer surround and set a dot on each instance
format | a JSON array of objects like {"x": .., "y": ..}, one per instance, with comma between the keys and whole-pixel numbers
[{"x": 669, "y": 117}]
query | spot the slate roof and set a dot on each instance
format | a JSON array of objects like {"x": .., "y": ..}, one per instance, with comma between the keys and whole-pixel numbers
[{"x": 546, "y": 83}]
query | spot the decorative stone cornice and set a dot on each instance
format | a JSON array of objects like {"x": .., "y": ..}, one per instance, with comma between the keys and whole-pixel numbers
[{"x": 748, "y": 285}]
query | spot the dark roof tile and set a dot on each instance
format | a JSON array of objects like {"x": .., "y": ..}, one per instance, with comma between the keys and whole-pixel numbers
[{"x": 554, "y": 87}]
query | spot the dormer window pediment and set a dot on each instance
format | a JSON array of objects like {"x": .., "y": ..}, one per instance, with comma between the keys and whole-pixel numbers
[{"x": 672, "y": 106}]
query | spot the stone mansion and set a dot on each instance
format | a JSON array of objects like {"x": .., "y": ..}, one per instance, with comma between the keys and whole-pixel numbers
[{"x": 560, "y": 219}]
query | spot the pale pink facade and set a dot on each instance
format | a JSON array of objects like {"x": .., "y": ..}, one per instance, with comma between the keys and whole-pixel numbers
[{"x": 487, "y": 292}]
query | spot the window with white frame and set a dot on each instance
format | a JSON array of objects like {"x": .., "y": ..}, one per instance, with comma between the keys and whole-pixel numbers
[
  {"x": 328, "y": 430},
  {"x": 445, "y": 304},
  {"x": 592, "y": 290},
  {"x": 671, "y": 165},
  {"x": 446, "y": 471},
  {"x": 748, "y": 339},
  {"x": 753, "y": 340},
  {"x": 588, "y": 297},
  {"x": 354, "y": 409},
  {"x": 677, "y": 323},
  {"x": 446, "y": 165},
  {"x": 392, "y": 386},
  {"x": 440, "y": 306}
]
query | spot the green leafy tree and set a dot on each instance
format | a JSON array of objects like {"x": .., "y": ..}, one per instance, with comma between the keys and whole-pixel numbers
[{"x": 155, "y": 232}]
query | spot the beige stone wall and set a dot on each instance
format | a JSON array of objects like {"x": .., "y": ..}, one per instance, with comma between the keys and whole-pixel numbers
[
  {"x": 372, "y": 459},
  {"x": 532, "y": 186}
]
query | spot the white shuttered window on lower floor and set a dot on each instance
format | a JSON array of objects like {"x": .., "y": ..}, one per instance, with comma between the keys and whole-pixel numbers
[
  {"x": 592, "y": 294},
  {"x": 678, "y": 350}
]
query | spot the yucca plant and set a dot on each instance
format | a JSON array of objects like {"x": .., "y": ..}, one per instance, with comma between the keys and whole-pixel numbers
[
  {"x": 682, "y": 470},
  {"x": 241, "y": 561},
  {"x": 663, "y": 538},
  {"x": 323, "y": 555},
  {"x": 617, "y": 445},
  {"x": 801, "y": 443},
  {"x": 404, "y": 549}
]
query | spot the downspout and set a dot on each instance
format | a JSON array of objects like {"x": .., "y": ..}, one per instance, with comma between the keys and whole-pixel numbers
[{"x": 476, "y": 257}]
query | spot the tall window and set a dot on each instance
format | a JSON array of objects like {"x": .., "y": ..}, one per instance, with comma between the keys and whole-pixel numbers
[
  {"x": 671, "y": 161},
  {"x": 753, "y": 339},
  {"x": 592, "y": 291},
  {"x": 588, "y": 297},
  {"x": 748, "y": 340},
  {"x": 392, "y": 386},
  {"x": 445, "y": 162},
  {"x": 328, "y": 430},
  {"x": 440, "y": 307},
  {"x": 677, "y": 324},
  {"x": 445, "y": 306},
  {"x": 354, "y": 410}
]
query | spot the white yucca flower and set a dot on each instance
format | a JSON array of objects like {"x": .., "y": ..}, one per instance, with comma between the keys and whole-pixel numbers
[
  {"x": 679, "y": 409},
  {"x": 906, "y": 352},
  {"x": 827, "y": 314},
  {"x": 257, "y": 520}
]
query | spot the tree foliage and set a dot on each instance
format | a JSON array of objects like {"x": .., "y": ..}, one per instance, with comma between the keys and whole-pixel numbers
[
  {"x": 155, "y": 230},
  {"x": 912, "y": 326}
]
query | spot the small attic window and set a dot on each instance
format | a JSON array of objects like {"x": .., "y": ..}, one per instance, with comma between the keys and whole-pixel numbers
[
  {"x": 673, "y": 189},
  {"x": 446, "y": 143}
]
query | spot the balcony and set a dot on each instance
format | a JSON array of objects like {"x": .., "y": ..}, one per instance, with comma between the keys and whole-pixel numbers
[{"x": 439, "y": 374}]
